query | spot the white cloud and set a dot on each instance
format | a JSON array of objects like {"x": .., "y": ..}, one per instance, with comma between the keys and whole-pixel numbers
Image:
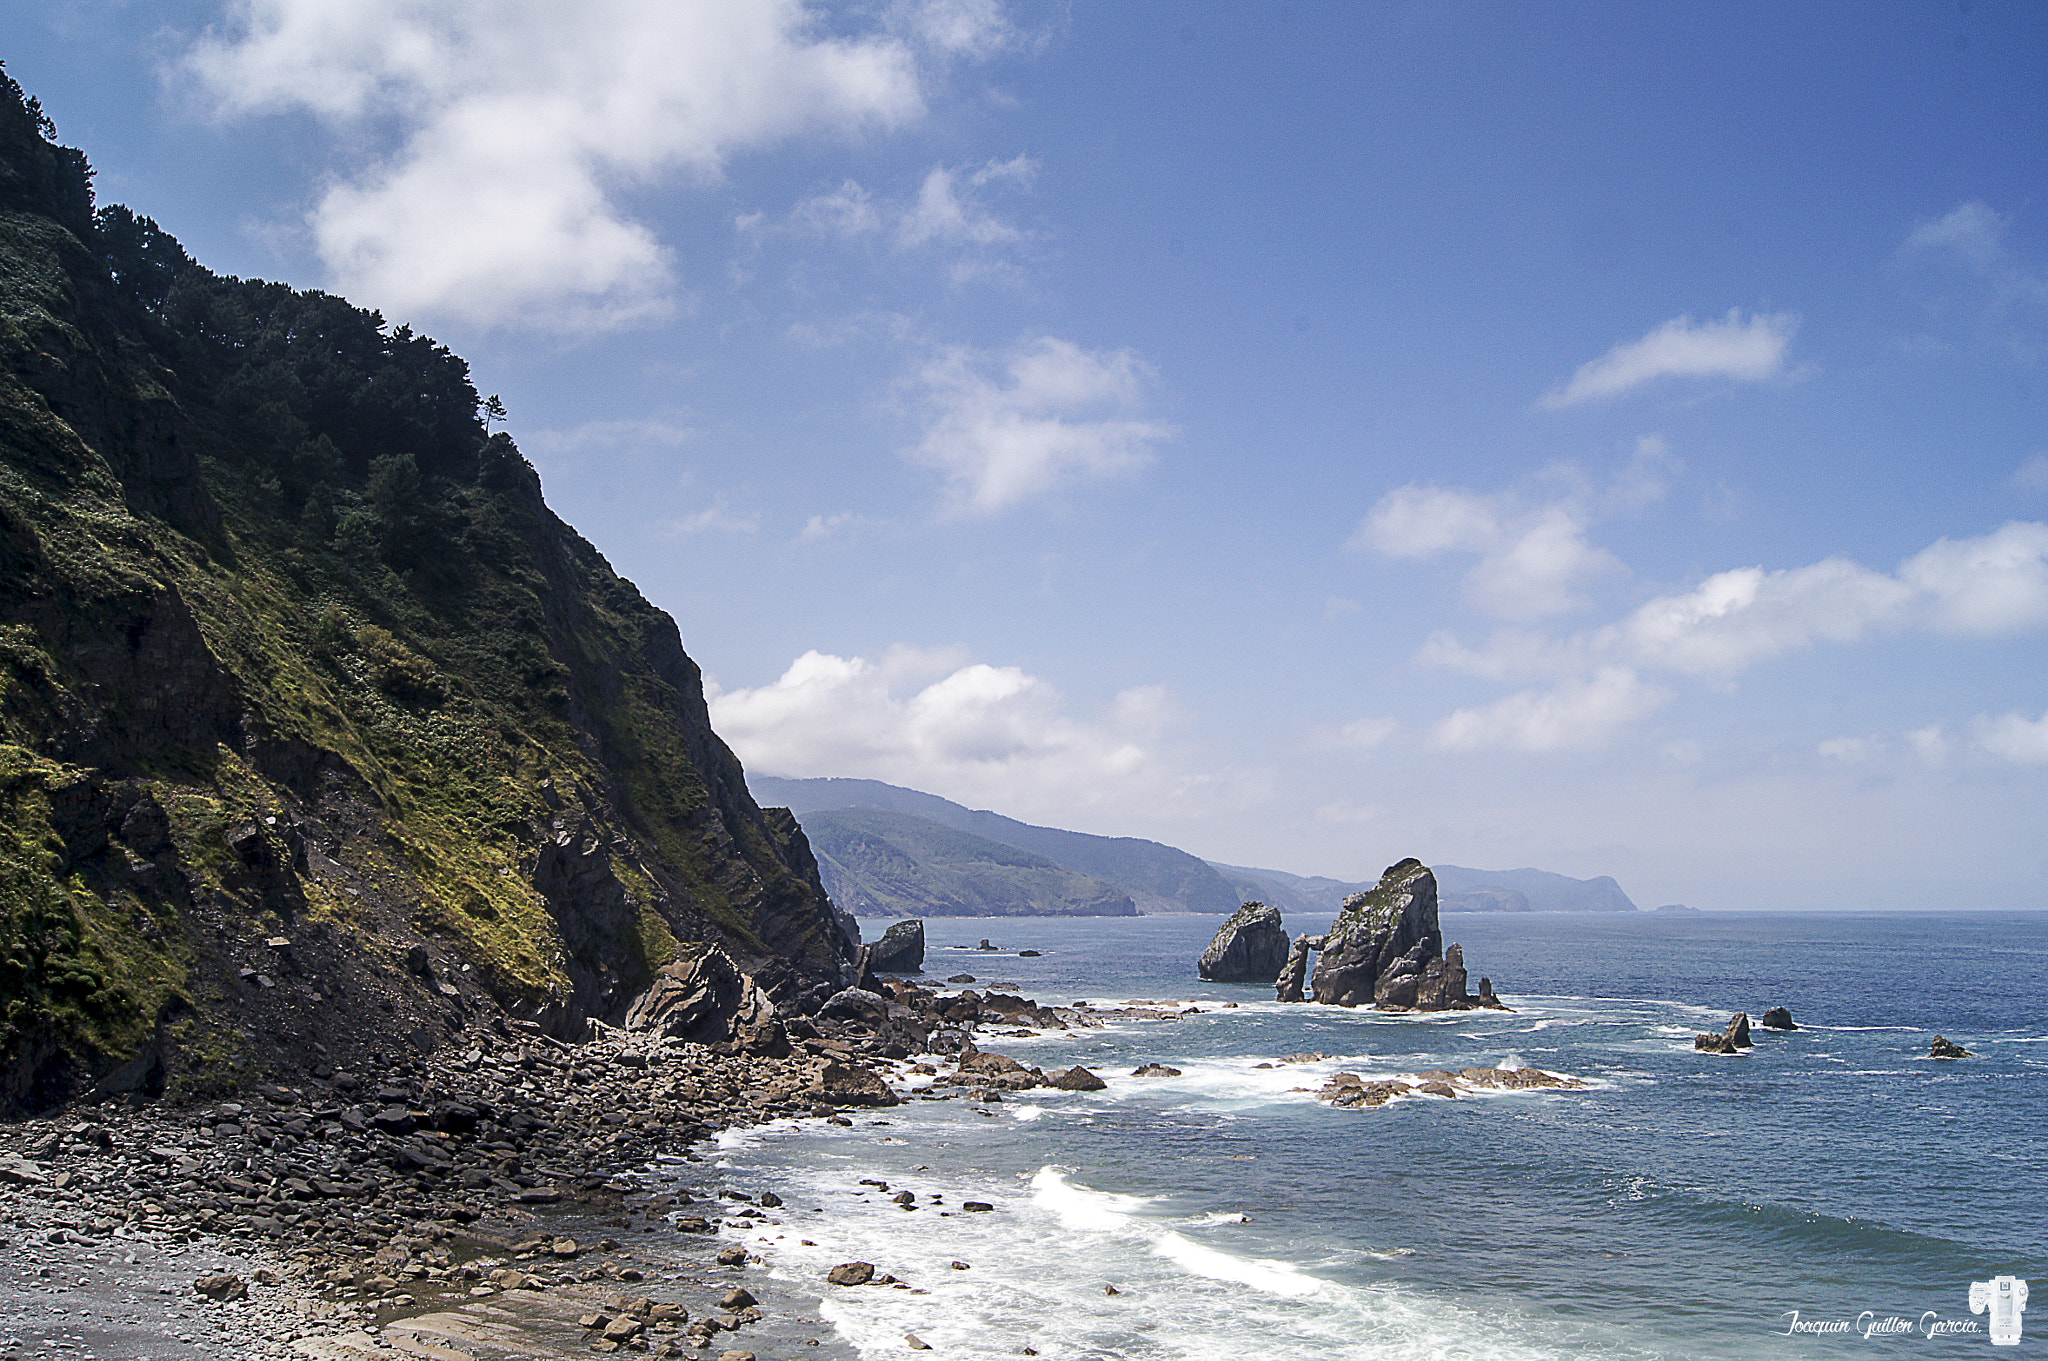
[
  {"x": 1581, "y": 712},
  {"x": 948, "y": 211},
  {"x": 1994, "y": 584},
  {"x": 2033, "y": 474},
  {"x": 989, "y": 735},
  {"x": 1931, "y": 744},
  {"x": 518, "y": 124},
  {"x": 1852, "y": 751},
  {"x": 719, "y": 519},
  {"x": 1363, "y": 734},
  {"x": 2015, "y": 738},
  {"x": 1055, "y": 415},
  {"x": 821, "y": 527},
  {"x": 848, "y": 210},
  {"x": 1751, "y": 351},
  {"x": 2004, "y": 297},
  {"x": 1532, "y": 559},
  {"x": 970, "y": 28},
  {"x": 1735, "y": 619}
]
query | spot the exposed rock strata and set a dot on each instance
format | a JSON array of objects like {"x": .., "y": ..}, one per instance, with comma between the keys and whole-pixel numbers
[{"x": 1251, "y": 947}]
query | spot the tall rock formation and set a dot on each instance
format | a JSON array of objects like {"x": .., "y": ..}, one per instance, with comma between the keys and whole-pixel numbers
[
  {"x": 1251, "y": 947},
  {"x": 1395, "y": 922},
  {"x": 321, "y": 737}
]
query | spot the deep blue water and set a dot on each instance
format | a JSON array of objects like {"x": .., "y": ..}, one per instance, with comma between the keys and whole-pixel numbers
[{"x": 1684, "y": 1206}]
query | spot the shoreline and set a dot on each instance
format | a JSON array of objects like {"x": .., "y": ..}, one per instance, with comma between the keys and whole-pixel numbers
[{"x": 478, "y": 1203}]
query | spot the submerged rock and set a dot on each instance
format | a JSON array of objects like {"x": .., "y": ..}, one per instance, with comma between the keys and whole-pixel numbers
[
  {"x": 1777, "y": 1018},
  {"x": 900, "y": 950},
  {"x": 1251, "y": 947},
  {"x": 1945, "y": 1048}
]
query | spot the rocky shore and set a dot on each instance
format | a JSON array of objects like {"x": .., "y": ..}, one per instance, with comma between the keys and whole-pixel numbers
[{"x": 482, "y": 1202}]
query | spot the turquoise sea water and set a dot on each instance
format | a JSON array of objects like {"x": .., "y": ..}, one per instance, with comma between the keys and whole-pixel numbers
[{"x": 1684, "y": 1206}]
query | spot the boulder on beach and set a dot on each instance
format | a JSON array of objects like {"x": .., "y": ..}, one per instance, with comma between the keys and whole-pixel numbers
[
  {"x": 900, "y": 950},
  {"x": 850, "y": 1084},
  {"x": 1777, "y": 1018},
  {"x": 1945, "y": 1048},
  {"x": 1251, "y": 947}
]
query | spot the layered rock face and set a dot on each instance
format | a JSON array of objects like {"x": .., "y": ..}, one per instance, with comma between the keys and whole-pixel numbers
[
  {"x": 1395, "y": 924},
  {"x": 1250, "y": 948}
]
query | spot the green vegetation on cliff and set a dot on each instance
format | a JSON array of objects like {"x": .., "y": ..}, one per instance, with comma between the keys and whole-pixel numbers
[{"x": 292, "y": 650}]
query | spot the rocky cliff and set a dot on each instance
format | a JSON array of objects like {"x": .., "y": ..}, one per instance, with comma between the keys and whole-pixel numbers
[{"x": 320, "y": 735}]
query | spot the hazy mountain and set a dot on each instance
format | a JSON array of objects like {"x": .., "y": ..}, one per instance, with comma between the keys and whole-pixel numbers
[
  {"x": 1458, "y": 890},
  {"x": 1158, "y": 878},
  {"x": 883, "y": 864}
]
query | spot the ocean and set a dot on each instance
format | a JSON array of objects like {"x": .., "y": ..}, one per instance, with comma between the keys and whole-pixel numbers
[{"x": 1832, "y": 1189}]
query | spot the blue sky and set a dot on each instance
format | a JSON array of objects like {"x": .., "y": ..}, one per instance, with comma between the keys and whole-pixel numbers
[{"x": 1602, "y": 437}]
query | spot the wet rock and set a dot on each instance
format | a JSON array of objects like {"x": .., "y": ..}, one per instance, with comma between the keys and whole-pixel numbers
[
  {"x": 1945, "y": 1048},
  {"x": 851, "y": 1273},
  {"x": 1777, "y": 1018},
  {"x": 1251, "y": 947},
  {"x": 1076, "y": 1079},
  {"x": 1155, "y": 1070}
]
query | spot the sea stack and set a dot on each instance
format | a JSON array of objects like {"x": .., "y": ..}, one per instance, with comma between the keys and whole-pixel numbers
[
  {"x": 900, "y": 950},
  {"x": 1388, "y": 933},
  {"x": 1250, "y": 948}
]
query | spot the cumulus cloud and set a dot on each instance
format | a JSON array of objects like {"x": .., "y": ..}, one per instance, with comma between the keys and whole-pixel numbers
[
  {"x": 2016, "y": 738},
  {"x": 1994, "y": 584},
  {"x": 1582, "y": 712},
  {"x": 518, "y": 124},
  {"x": 1751, "y": 351},
  {"x": 1052, "y": 414},
  {"x": 947, "y": 209},
  {"x": 1532, "y": 559},
  {"x": 991, "y": 735}
]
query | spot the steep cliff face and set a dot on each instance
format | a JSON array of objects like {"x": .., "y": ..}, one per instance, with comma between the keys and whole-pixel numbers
[{"x": 319, "y": 733}]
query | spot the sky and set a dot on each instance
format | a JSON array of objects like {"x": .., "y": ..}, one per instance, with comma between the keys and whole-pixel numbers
[{"x": 1602, "y": 437}]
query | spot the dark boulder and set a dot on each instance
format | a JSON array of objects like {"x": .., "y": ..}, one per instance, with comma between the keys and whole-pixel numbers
[
  {"x": 900, "y": 950},
  {"x": 1076, "y": 1079},
  {"x": 1251, "y": 947},
  {"x": 1944, "y": 1048},
  {"x": 1777, "y": 1018}
]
